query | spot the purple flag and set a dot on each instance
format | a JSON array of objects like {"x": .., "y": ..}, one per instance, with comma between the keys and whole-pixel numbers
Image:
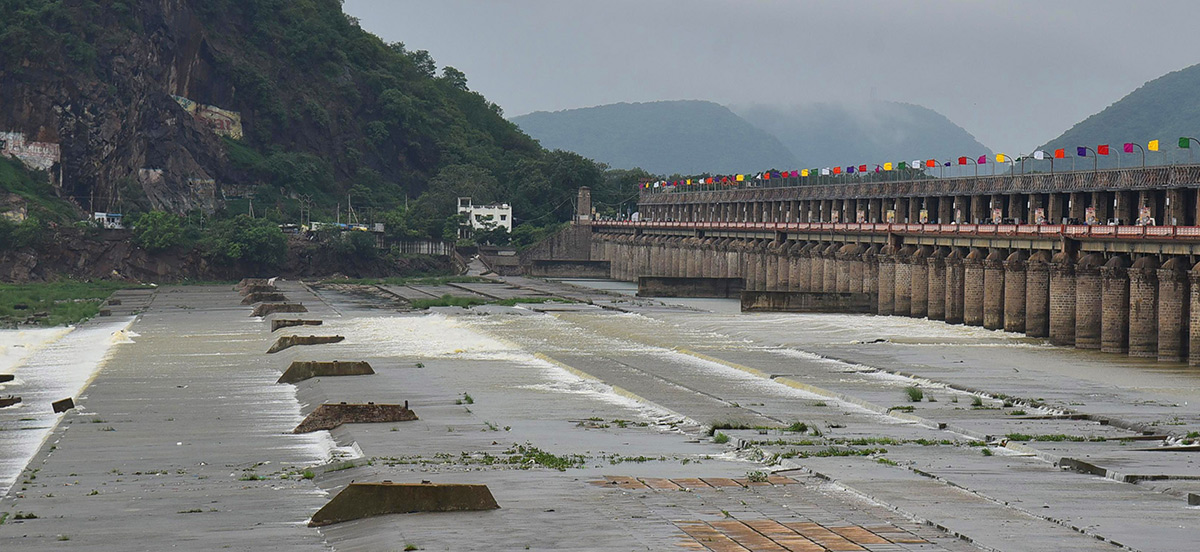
[
  {"x": 849, "y": 169},
  {"x": 1129, "y": 147},
  {"x": 1081, "y": 150},
  {"x": 982, "y": 160}
]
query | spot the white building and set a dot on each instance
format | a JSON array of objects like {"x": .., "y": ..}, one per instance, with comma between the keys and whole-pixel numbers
[
  {"x": 483, "y": 217},
  {"x": 108, "y": 221}
]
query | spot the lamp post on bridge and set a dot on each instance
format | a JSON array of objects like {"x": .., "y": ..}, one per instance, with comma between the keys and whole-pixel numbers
[
  {"x": 1082, "y": 151},
  {"x": 1185, "y": 142},
  {"x": 1129, "y": 149}
]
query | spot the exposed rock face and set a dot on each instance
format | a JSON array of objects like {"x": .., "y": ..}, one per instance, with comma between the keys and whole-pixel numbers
[{"x": 119, "y": 119}]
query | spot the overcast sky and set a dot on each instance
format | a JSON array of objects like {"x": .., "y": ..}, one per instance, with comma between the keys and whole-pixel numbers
[{"x": 1015, "y": 73}]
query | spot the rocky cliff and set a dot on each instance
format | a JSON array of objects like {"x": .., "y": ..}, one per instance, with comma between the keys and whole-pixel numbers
[{"x": 179, "y": 104}]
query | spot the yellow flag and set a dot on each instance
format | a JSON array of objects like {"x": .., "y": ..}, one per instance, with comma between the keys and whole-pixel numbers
[
  {"x": 1001, "y": 158},
  {"x": 887, "y": 166},
  {"x": 1153, "y": 145},
  {"x": 741, "y": 177},
  {"x": 689, "y": 182},
  {"x": 803, "y": 172}
]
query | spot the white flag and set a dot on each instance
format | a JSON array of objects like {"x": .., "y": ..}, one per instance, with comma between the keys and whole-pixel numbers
[
  {"x": 1039, "y": 155},
  {"x": 916, "y": 164},
  {"x": 825, "y": 172}
]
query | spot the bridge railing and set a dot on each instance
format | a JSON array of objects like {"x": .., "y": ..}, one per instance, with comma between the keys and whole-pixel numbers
[
  {"x": 1136, "y": 178},
  {"x": 1080, "y": 231}
]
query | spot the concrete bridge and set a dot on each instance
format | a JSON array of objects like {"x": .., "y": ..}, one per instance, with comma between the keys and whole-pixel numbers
[{"x": 1125, "y": 289}]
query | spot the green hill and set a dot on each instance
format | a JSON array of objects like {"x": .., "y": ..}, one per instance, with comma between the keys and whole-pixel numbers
[
  {"x": 670, "y": 137},
  {"x": 327, "y": 112},
  {"x": 827, "y": 134},
  {"x": 1163, "y": 109}
]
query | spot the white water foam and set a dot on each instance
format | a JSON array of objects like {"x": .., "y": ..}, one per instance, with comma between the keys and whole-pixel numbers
[{"x": 61, "y": 366}]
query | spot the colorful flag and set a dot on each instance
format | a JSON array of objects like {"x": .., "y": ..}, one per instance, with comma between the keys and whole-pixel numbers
[
  {"x": 903, "y": 165},
  {"x": 1153, "y": 145},
  {"x": 1081, "y": 150},
  {"x": 803, "y": 172},
  {"x": 982, "y": 160},
  {"x": 1185, "y": 142},
  {"x": 1039, "y": 155},
  {"x": 962, "y": 160},
  {"x": 1102, "y": 149},
  {"x": 1128, "y": 147},
  {"x": 931, "y": 163},
  {"x": 888, "y": 166},
  {"x": 1060, "y": 153},
  {"x": 946, "y": 164},
  {"x": 862, "y": 168},
  {"x": 837, "y": 170},
  {"x": 878, "y": 168},
  {"x": 741, "y": 177},
  {"x": 850, "y": 169},
  {"x": 765, "y": 176},
  {"x": 1001, "y": 158},
  {"x": 825, "y": 171}
]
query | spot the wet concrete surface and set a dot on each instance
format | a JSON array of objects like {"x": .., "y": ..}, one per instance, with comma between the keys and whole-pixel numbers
[{"x": 184, "y": 432}]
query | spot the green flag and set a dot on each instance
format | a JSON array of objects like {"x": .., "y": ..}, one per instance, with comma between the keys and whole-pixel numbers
[
  {"x": 903, "y": 165},
  {"x": 1185, "y": 142}
]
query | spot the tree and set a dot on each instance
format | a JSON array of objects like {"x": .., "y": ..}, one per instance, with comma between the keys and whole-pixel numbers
[
  {"x": 158, "y": 231},
  {"x": 257, "y": 243},
  {"x": 454, "y": 77}
]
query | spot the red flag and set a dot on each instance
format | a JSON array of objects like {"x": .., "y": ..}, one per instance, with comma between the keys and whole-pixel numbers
[
  {"x": 837, "y": 170},
  {"x": 1060, "y": 153},
  {"x": 931, "y": 163},
  {"x": 1102, "y": 150},
  {"x": 862, "y": 168},
  {"x": 962, "y": 160}
]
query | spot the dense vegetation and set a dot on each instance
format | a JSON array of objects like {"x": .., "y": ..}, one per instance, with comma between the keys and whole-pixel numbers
[
  {"x": 685, "y": 137},
  {"x": 825, "y": 134},
  {"x": 1163, "y": 109},
  {"x": 331, "y": 113}
]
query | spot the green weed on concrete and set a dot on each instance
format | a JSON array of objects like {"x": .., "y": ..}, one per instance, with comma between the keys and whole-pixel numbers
[{"x": 55, "y": 303}]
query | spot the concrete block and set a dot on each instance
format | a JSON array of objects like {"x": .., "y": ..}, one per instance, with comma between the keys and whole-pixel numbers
[
  {"x": 663, "y": 286},
  {"x": 294, "y": 340},
  {"x": 9, "y": 400},
  {"x": 329, "y": 416},
  {"x": 263, "y": 297},
  {"x": 301, "y": 370},
  {"x": 361, "y": 500},
  {"x": 257, "y": 289},
  {"x": 264, "y": 309},
  {"x": 4, "y": 378},
  {"x": 63, "y": 405},
  {"x": 806, "y": 301},
  {"x": 290, "y": 322},
  {"x": 246, "y": 282}
]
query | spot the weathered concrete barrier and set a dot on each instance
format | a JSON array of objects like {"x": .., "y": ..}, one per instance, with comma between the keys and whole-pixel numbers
[
  {"x": 361, "y": 500},
  {"x": 301, "y": 370},
  {"x": 264, "y": 297},
  {"x": 246, "y": 282},
  {"x": 806, "y": 301},
  {"x": 264, "y": 309},
  {"x": 63, "y": 405},
  {"x": 257, "y": 289},
  {"x": 293, "y": 340},
  {"x": 329, "y": 416},
  {"x": 290, "y": 322},
  {"x": 569, "y": 269},
  {"x": 664, "y": 286}
]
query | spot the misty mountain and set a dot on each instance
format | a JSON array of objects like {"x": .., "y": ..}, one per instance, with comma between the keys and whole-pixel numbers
[
  {"x": 1163, "y": 109},
  {"x": 826, "y": 134},
  {"x": 684, "y": 137}
]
